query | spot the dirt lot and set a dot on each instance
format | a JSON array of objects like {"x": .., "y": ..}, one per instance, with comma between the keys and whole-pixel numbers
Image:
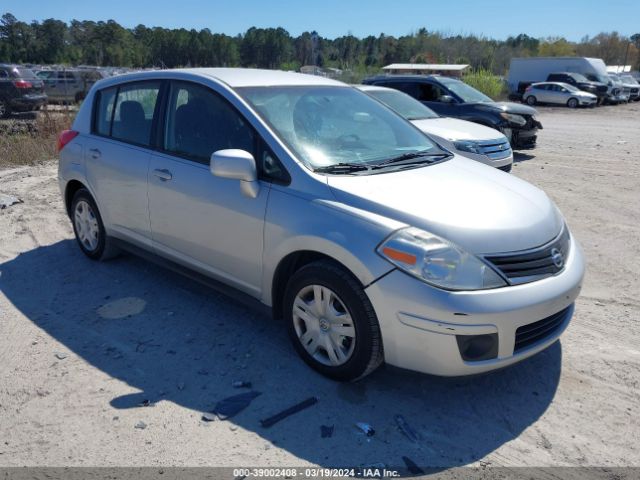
[{"x": 83, "y": 344}]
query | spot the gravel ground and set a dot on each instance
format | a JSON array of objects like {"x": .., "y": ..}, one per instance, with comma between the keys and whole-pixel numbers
[{"x": 83, "y": 344}]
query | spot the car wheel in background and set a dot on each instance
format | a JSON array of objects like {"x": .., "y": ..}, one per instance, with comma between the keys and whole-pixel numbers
[
  {"x": 89, "y": 229},
  {"x": 572, "y": 103},
  {"x": 5, "y": 110},
  {"x": 531, "y": 100},
  {"x": 331, "y": 322}
]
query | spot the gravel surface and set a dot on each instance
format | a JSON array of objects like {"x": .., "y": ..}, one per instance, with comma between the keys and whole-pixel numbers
[{"x": 83, "y": 345}]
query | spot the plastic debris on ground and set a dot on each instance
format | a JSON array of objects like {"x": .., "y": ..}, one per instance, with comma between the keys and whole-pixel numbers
[
  {"x": 406, "y": 429},
  {"x": 326, "y": 431},
  {"x": 61, "y": 356},
  {"x": 269, "y": 422},
  {"x": 8, "y": 200},
  {"x": 412, "y": 467},
  {"x": 141, "y": 425},
  {"x": 231, "y": 406},
  {"x": 366, "y": 429}
]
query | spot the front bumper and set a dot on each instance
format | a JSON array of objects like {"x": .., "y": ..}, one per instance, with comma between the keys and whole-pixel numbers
[
  {"x": 587, "y": 101},
  {"x": 420, "y": 323}
]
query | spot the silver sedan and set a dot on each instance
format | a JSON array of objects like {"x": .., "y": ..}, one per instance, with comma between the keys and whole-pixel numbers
[{"x": 558, "y": 93}]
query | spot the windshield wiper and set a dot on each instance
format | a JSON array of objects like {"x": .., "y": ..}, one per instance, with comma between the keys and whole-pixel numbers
[
  {"x": 343, "y": 167},
  {"x": 403, "y": 159}
]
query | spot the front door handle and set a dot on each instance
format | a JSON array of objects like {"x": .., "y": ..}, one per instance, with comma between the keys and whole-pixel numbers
[
  {"x": 163, "y": 174},
  {"x": 95, "y": 153}
]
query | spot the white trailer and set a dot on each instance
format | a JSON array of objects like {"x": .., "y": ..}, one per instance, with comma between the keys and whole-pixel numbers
[{"x": 536, "y": 69}]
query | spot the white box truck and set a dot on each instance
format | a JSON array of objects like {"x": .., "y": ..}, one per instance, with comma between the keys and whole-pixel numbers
[{"x": 525, "y": 71}]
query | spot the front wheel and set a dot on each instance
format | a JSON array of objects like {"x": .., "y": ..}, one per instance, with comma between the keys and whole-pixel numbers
[
  {"x": 331, "y": 322},
  {"x": 572, "y": 103},
  {"x": 531, "y": 100}
]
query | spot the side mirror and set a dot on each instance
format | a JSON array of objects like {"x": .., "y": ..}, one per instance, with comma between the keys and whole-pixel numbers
[
  {"x": 237, "y": 165},
  {"x": 446, "y": 99}
]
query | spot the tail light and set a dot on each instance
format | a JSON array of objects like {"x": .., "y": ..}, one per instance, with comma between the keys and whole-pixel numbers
[
  {"x": 22, "y": 84},
  {"x": 65, "y": 137}
]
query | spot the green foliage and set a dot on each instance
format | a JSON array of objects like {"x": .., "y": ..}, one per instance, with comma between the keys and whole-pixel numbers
[
  {"x": 109, "y": 44},
  {"x": 485, "y": 81}
]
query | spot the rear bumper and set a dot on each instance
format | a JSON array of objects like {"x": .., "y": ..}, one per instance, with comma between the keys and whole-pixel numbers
[
  {"x": 421, "y": 325},
  {"x": 28, "y": 102}
]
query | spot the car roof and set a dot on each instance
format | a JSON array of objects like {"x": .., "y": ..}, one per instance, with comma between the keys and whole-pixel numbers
[
  {"x": 408, "y": 76},
  {"x": 233, "y": 77},
  {"x": 374, "y": 88}
]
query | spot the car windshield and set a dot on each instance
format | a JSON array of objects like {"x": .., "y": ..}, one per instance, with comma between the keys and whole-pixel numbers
[
  {"x": 327, "y": 126},
  {"x": 20, "y": 72},
  {"x": 578, "y": 77},
  {"x": 628, "y": 79},
  {"x": 597, "y": 78},
  {"x": 571, "y": 88},
  {"x": 465, "y": 92},
  {"x": 407, "y": 106}
]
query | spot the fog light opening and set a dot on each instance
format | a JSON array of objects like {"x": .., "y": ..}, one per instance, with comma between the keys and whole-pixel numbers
[{"x": 474, "y": 348}]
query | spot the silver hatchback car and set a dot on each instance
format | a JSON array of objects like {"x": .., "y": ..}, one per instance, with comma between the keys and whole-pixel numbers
[
  {"x": 373, "y": 243},
  {"x": 558, "y": 93}
]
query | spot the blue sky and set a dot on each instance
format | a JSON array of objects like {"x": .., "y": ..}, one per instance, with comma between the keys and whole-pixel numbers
[{"x": 331, "y": 18}]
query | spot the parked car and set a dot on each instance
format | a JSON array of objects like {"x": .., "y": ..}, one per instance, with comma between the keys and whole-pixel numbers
[
  {"x": 558, "y": 93},
  {"x": 620, "y": 93},
  {"x": 629, "y": 84},
  {"x": 580, "y": 82},
  {"x": 450, "y": 97},
  {"x": 20, "y": 90},
  {"x": 468, "y": 139},
  {"x": 314, "y": 199},
  {"x": 525, "y": 71},
  {"x": 69, "y": 85}
]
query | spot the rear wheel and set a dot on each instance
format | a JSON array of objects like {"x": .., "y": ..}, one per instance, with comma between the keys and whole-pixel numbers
[
  {"x": 572, "y": 103},
  {"x": 331, "y": 322},
  {"x": 89, "y": 229},
  {"x": 531, "y": 100},
  {"x": 5, "y": 110}
]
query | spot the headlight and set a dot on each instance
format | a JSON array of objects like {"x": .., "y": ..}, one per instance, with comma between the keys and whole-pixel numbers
[
  {"x": 467, "y": 146},
  {"x": 437, "y": 261},
  {"x": 513, "y": 118}
]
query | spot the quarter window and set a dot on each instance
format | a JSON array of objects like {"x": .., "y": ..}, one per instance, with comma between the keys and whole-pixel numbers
[
  {"x": 200, "y": 122},
  {"x": 106, "y": 100}
]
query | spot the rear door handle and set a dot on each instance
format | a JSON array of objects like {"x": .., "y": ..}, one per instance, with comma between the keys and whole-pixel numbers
[
  {"x": 163, "y": 174},
  {"x": 95, "y": 153}
]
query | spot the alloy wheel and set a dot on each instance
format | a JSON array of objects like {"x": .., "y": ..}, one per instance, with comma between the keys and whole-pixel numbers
[{"x": 86, "y": 224}]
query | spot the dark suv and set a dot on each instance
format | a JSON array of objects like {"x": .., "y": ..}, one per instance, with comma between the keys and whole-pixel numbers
[
  {"x": 580, "y": 82},
  {"x": 450, "y": 97},
  {"x": 20, "y": 90}
]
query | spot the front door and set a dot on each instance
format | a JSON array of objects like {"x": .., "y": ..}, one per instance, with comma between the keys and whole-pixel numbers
[{"x": 199, "y": 220}]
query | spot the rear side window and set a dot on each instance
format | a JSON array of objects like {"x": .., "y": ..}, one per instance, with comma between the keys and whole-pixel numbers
[
  {"x": 24, "y": 73},
  {"x": 200, "y": 122},
  {"x": 130, "y": 116},
  {"x": 104, "y": 111}
]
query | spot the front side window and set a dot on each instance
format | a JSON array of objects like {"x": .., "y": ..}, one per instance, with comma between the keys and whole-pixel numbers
[
  {"x": 467, "y": 93},
  {"x": 200, "y": 122},
  {"x": 325, "y": 126},
  {"x": 134, "y": 109}
]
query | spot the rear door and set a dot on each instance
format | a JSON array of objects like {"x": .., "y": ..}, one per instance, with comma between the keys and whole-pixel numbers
[
  {"x": 117, "y": 157},
  {"x": 199, "y": 220}
]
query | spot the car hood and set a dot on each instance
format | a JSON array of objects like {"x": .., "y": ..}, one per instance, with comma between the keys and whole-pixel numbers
[
  {"x": 509, "y": 107},
  {"x": 475, "y": 206},
  {"x": 453, "y": 129}
]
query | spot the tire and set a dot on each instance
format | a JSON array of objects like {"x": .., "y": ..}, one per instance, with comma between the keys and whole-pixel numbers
[
  {"x": 572, "y": 103},
  {"x": 89, "y": 229},
  {"x": 531, "y": 100},
  {"x": 343, "y": 305},
  {"x": 5, "y": 109}
]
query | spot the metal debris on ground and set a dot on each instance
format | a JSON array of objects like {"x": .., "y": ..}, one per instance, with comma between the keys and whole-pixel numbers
[
  {"x": 141, "y": 425},
  {"x": 366, "y": 429},
  {"x": 405, "y": 428},
  {"x": 326, "y": 431},
  {"x": 412, "y": 467},
  {"x": 269, "y": 422},
  {"x": 241, "y": 384},
  {"x": 8, "y": 200},
  {"x": 231, "y": 406}
]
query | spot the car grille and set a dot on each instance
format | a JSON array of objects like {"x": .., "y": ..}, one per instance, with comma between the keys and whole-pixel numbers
[
  {"x": 527, "y": 335},
  {"x": 495, "y": 149},
  {"x": 535, "y": 264}
]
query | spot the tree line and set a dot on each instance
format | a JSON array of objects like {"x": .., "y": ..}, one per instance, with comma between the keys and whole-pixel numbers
[{"x": 107, "y": 43}]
